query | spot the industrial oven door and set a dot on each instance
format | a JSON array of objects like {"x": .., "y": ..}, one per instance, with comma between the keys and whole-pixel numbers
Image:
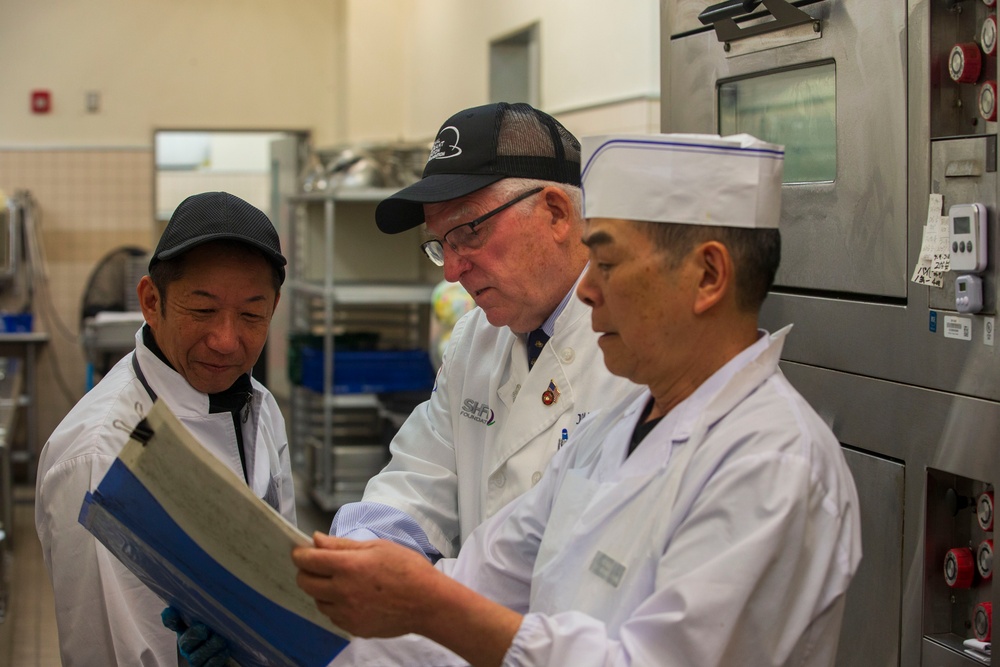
[{"x": 832, "y": 90}]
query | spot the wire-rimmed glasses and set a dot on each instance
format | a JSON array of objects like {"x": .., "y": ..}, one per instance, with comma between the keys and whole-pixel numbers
[{"x": 463, "y": 238}]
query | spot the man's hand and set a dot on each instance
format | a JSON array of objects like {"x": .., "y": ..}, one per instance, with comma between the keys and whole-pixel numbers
[
  {"x": 371, "y": 589},
  {"x": 381, "y": 589}
]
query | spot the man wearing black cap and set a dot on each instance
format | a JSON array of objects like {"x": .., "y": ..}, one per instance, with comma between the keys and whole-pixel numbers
[
  {"x": 213, "y": 284},
  {"x": 500, "y": 202}
]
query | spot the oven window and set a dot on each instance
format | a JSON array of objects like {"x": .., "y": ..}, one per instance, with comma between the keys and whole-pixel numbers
[{"x": 796, "y": 108}]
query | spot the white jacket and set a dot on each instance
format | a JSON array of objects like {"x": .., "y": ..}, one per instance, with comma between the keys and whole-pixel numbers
[
  {"x": 486, "y": 434},
  {"x": 105, "y": 615},
  {"x": 727, "y": 538}
]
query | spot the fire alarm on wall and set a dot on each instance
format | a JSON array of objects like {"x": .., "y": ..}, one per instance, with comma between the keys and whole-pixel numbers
[{"x": 41, "y": 101}]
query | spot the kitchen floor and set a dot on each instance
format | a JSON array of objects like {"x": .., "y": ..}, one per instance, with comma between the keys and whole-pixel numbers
[
  {"x": 28, "y": 632},
  {"x": 28, "y": 635}
]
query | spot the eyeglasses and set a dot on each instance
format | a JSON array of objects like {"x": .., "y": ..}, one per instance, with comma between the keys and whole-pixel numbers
[{"x": 464, "y": 237}]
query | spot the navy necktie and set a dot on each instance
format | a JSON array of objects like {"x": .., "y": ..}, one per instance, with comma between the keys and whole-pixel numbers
[{"x": 536, "y": 341}]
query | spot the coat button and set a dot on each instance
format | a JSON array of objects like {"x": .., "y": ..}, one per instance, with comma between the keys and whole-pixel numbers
[
  {"x": 499, "y": 480},
  {"x": 534, "y": 478},
  {"x": 568, "y": 355}
]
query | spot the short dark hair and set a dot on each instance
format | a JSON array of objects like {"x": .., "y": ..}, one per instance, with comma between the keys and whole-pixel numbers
[
  {"x": 756, "y": 254},
  {"x": 167, "y": 271}
]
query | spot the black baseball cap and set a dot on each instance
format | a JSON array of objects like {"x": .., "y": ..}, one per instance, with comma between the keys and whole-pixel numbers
[
  {"x": 478, "y": 147},
  {"x": 219, "y": 216}
]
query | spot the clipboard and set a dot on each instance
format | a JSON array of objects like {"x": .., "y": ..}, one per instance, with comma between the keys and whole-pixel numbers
[{"x": 195, "y": 534}]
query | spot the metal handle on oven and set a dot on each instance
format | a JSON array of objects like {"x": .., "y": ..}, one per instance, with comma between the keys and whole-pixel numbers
[
  {"x": 727, "y": 10},
  {"x": 722, "y": 17}
]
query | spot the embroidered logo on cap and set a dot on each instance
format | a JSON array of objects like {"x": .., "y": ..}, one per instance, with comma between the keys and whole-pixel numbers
[{"x": 442, "y": 150}]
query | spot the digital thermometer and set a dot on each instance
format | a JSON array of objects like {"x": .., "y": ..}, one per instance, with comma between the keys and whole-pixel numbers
[{"x": 968, "y": 237}]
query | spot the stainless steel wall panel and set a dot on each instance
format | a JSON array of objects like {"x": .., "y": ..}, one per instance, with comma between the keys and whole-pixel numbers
[
  {"x": 871, "y": 630},
  {"x": 885, "y": 341},
  {"x": 921, "y": 427}
]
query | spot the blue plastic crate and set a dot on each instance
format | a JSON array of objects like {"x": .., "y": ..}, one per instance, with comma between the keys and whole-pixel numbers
[
  {"x": 369, "y": 372},
  {"x": 16, "y": 322}
]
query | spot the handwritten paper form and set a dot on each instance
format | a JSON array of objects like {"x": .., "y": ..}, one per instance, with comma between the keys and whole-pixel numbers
[{"x": 935, "y": 249}]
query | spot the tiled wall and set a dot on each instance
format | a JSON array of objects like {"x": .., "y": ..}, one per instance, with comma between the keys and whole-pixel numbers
[{"x": 91, "y": 201}]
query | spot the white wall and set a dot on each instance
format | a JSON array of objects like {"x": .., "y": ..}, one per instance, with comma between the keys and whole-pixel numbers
[
  {"x": 413, "y": 63},
  {"x": 171, "y": 64},
  {"x": 374, "y": 104},
  {"x": 345, "y": 69}
]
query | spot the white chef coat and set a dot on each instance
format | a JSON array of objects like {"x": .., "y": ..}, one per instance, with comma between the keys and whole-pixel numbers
[
  {"x": 487, "y": 432},
  {"x": 105, "y": 615},
  {"x": 728, "y": 537}
]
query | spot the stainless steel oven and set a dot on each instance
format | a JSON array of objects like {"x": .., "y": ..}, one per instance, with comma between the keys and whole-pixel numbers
[
  {"x": 887, "y": 112},
  {"x": 847, "y": 60}
]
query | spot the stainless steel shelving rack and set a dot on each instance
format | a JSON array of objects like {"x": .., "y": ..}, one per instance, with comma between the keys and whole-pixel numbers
[{"x": 344, "y": 276}]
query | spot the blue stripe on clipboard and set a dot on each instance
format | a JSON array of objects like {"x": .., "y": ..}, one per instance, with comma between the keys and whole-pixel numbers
[{"x": 128, "y": 520}]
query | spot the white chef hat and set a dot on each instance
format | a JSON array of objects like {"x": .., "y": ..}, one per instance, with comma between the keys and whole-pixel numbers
[{"x": 694, "y": 179}]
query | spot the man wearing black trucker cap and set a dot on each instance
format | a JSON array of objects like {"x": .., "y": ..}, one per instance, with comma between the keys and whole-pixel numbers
[
  {"x": 213, "y": 284},
  {"x": 500, "y": 202}
]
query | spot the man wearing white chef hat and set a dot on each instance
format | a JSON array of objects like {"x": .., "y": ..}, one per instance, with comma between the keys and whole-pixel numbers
[{"x": 712, "y": 521}]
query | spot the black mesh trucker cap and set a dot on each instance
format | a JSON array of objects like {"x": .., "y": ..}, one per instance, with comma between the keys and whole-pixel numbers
[
  {"x": 219, "y": 216},
  {"x": 478, "y": 147}
]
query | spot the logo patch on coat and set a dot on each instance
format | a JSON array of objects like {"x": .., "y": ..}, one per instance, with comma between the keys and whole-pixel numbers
[{"x": 477, "y": 411}]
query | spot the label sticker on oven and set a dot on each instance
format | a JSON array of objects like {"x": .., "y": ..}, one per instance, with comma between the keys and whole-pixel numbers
[{"x": 959, "y": 328}]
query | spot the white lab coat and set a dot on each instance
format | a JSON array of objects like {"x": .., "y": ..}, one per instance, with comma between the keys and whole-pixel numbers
[
  {"x": 486, "y": 435},
  {"x": 105, "y": 615},
  {"x": 728, "y": 537}
]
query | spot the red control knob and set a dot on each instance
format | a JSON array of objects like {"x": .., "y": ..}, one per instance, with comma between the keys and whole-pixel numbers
[
  {"x": 965, "y": 62},
  {"x": 982, "y": 621},
  {"x": 990, "y": 3},
  {"x": 984, "y": 504},
  {"x": 959, "y": 568}
]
